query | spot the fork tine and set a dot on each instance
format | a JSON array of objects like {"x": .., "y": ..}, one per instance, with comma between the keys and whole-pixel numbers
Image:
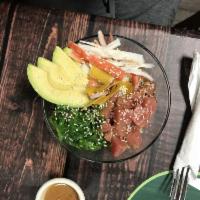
[
  {"x": 174, "y": 184},
  {"x": 185, "y": 184},
  {"x": 180, "y": 184}
]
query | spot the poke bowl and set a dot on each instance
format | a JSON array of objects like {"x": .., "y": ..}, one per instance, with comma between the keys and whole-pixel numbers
[{"x": 125, "y": 117}]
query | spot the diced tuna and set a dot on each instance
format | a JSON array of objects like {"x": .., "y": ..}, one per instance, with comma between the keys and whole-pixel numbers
[
  {"x": 141, "y": 116},
  {"x": 117, "y": 146},
  {"x": 134, "y": 139}
]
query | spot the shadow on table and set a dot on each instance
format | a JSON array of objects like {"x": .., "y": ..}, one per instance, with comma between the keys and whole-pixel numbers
[
  {"x": 186, "y": 64},
  {"x": 87, "y": 174},
  {"x": 190, "y": 26},
  {"x": 29, "y": 192}
]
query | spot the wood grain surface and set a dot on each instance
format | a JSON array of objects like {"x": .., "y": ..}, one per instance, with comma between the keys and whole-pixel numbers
[
  {"x": 4, "y": 10},
  {"x": 29, "y": 156}
]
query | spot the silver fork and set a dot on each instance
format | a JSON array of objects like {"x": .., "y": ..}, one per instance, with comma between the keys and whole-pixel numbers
[{"x": 179, "y": 184}]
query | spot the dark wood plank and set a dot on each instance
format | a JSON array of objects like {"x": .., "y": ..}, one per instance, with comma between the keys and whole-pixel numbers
[
  {"x": 4, "y": 10},
  {"x": 36, "y": 156},
  {"x": 29, "y": 156}
]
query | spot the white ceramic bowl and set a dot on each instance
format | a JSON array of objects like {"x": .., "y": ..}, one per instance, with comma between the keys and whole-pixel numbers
[{"x": 41, "y": 192}]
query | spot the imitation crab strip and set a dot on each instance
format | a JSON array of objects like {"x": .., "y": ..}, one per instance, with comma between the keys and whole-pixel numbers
[
  {"x": 107, "y": 67},
  {"x": 102, "y": 64}
]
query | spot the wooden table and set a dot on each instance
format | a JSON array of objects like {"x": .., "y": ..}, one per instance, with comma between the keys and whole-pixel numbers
[{"x": 29, "y": 155}]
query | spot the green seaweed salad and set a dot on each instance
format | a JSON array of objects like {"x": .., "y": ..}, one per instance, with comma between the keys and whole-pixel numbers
[{"x": 79, "y": 127}]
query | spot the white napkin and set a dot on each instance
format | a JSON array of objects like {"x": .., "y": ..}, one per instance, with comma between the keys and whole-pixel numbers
[{"x": 189, "y": 153}]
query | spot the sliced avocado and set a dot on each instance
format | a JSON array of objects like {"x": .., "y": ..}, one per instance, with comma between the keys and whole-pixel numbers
[
  {"x": 56, "y": 75},
  {"x": 75, "y": 74},
  {"x": 69, "y": 53},
  {"x": 39, "y": 81},
  {"x": 46, "y": 64},
  {"x": 60, "y": 78},
  {"x": 62, "y": 59},
  {"x": 67, "y": 50}
]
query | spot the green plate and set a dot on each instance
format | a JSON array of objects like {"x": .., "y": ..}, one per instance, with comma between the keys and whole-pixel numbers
[{"x": 158, "y": 188}]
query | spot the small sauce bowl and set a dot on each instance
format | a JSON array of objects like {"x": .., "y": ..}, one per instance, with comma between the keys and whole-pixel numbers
[{"x": 44, "y": 189}]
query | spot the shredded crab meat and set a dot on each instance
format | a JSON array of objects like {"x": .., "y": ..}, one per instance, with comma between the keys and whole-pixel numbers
[
  {"x": 113, "y": 54},
  {"x": 101, "y": 38},
  {"x": 127, "y": 61},
  {"x": 138, "y": 72},
  {"x": 97, "y": 42},
  {"x": 93, "y": 44},
  {"x": 124, "y": 63},
  {"x": 131, "y": 64},
  {"x": 147, "y": 65},
  {"x": 114, "y": 44}
]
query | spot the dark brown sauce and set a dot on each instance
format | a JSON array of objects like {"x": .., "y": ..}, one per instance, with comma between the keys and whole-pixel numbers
[{"x": 61, "y": 192}]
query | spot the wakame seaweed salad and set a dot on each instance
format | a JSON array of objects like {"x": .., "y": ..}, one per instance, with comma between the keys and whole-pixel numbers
[{"x": 79, "y": 127}]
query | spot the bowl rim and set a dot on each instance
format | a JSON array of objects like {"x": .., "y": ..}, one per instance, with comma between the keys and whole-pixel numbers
[{"x": 161, "y": 128}]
